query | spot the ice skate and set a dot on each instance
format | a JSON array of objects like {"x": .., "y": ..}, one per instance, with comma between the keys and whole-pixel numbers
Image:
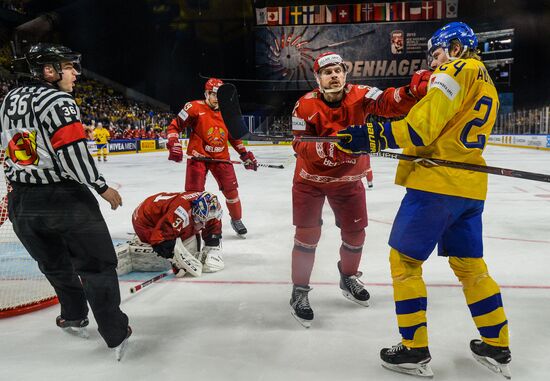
[
  {"x": 74, "y": 327},
  {"x": 120, "y": 350},
  {"x": 353, "y": 289},
  {"x": 494, "y": 358},
  {"x": 239, "y": 228},
  {"x": 413, "y": 361},
  {"x": 370, "y": 184},
  {"x": 300, "y": 308}
]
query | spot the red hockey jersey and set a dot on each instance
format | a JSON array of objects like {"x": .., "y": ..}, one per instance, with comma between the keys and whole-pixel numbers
[
  {"x": 167, "y": 216},
  {"x": 313, "y": 116},
  {"x": 209, "y": 135}
]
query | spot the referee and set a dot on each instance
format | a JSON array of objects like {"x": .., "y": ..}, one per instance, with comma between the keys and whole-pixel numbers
[{"x": 54, "y": 213}]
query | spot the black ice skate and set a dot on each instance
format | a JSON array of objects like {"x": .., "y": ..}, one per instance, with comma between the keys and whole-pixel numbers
[
  {"x": 239, "y": 228},
  {"x": 74, "y": 327},
  {"x": 300, "y": 308},
  {"x": 121, "y": 348},
  {"x": 353, "y": 288},
  {"x": 494, "y": 358},
  {"x": 413, "y": 361}
]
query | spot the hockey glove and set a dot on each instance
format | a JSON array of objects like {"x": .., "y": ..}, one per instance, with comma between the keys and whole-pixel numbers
[
  {"x": 366, "y": 138},
  {"x": 175, "y": 148},
  {"x": 165, "y": 249},
  {"x": 419, "y": 83},
  {"x": 249, "y": 160}
]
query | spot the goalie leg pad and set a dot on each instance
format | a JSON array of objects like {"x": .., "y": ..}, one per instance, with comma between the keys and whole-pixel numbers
[
  {"x": 183, "y": 259},
  {"x": 212, "y": 259},
  {"x": 124, "y": 265}
]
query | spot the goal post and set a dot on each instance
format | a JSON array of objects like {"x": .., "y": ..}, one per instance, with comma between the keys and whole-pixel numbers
[{"x": 23, "y": 288}]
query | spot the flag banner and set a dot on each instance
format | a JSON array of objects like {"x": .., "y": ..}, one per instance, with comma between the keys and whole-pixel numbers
[
  {"x": 261, "y": 16},
  {"x": 381, "y": 55},
  {"x": 377, "y": 12}
]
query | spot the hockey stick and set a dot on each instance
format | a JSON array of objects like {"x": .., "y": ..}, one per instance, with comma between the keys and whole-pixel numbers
[
  {"x": 148, "y": 282},
  {"x": 211, "y": 160},
  {"x": 231, "y": 114}
]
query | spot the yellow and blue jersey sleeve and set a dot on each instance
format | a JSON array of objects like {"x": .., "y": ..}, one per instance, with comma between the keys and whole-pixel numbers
[
  {"x": 101, "y": 136},
  {"x": 452, "y": 122}
]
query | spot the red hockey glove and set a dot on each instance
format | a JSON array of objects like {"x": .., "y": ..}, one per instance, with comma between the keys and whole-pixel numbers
[
  {"x": 176, "y": 151},
  {"x": 327, "y": 149},
  {"x": 249, "y": 160},
  {"x": 419, "y": 83}
]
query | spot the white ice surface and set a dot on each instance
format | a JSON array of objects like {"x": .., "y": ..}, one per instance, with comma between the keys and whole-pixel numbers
[{"x": 236, "y": 325}]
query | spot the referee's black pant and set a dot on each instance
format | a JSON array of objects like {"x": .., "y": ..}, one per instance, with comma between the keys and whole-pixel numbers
[{"x": 62, "y": 228}]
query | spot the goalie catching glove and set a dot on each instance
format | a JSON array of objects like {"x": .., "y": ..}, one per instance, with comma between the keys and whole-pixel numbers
[
  {"x": 366, "y": 138},
  {"x": 249, "y": 160}
]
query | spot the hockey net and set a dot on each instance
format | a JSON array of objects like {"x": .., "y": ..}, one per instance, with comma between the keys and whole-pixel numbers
[{"x": 23, "y": 288}]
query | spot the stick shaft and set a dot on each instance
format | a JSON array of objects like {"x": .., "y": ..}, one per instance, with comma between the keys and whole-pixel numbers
[
  {"x": 211, "y": 160},
  {"x": 148, "y": 282}
]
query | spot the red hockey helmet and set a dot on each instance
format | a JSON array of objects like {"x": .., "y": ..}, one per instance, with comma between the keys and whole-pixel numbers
[
  {"x": 213, "y": 84},
  {"x": 327, "y": 59}
]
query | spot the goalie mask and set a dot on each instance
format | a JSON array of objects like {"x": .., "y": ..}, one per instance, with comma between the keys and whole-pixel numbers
[
  {"x": 325, "y": 60},
  {"x": 206, "y": 207}
]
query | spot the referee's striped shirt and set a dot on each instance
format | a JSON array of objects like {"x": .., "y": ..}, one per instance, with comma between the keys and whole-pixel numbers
[{"x": 44, "y": 140}]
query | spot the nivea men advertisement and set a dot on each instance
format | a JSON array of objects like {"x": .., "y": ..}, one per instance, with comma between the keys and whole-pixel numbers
[{"x": 382, "y": 55}]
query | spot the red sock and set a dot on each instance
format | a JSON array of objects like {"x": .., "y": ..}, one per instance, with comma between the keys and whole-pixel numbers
[
  {"x": 302, "y": 265},
  {"x": 233, "y": 204},
  {"x": 350, "y": 251}
]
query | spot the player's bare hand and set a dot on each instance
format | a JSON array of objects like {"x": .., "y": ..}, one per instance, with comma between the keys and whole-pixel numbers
[{"x": 112, "y": 197}]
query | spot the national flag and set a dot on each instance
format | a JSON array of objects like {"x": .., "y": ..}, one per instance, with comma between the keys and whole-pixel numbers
[
  {"x": 284, "y": 15},
  {"x": 344, "y": 15},
  {"x": 397, "y": 11},
  {"x": 332, "y": 14},
  {"x": 452, "y": 8},
  {"x": 261, "y": 16},
  {"x": 356, "y": 8},
  {"x": 320, "y": 14},
  {"x": 308, "y": 14},
  {"x": 273, "y": 16},
  {"x": 440, "y": 9},
  {"x": 428, "y": 10},
  {"x": 295, "y": 15},
  {"x": 369, "y": 12},
  {"x": 379, "y": 12},
  {"x": 415, "y": 11}
]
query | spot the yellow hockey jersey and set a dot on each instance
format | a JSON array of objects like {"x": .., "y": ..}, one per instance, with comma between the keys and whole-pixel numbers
[
  {"x": 452, "y": 122},
  {"x": 101, "y": 135}
]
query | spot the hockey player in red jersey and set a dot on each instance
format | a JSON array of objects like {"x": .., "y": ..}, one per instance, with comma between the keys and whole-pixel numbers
[
  {"x": 208, "y": 138},
  {"x": 323, "y": 171},
  {"x": 171, "y": 223}
]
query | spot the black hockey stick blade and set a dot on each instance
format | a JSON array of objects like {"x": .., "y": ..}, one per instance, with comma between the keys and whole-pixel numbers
[{"x": 230, "y": 108}]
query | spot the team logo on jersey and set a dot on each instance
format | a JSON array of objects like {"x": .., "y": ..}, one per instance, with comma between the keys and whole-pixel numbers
[
  {"x": 215, "y": 136},
  {"x": 22, "y": 148}
]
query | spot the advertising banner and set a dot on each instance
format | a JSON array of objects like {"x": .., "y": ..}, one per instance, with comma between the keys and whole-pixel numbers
[
  {"x": 123, "y": 145},
  {"x": 378, "y": 54},
  {"x": 147, "y": 145},
  {"x": 529, "y": 141}
]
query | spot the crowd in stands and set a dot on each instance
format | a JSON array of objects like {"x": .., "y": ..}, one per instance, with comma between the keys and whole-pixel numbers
[
  {"x": 13, "y": 5},
  {"x": 123, "y": 117}
]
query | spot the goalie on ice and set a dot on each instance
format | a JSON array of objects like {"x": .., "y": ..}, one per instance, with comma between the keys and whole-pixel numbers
[{"x": 172, "y": 224}]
